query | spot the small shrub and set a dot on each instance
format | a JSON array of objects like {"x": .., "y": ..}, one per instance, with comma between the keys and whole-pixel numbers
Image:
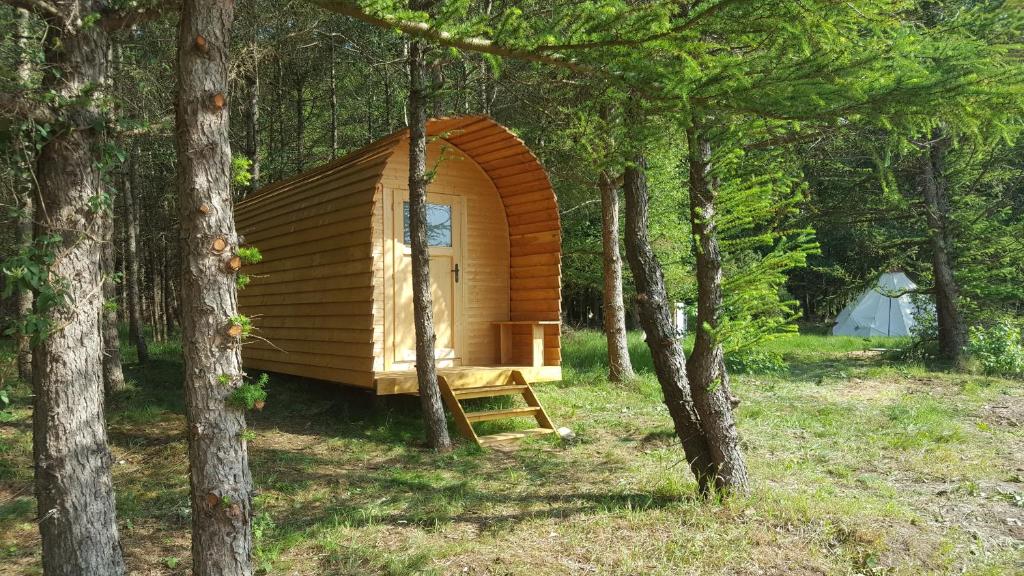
[
  {"x": 998, "y": 349},
  {"x": 755, "y": 362}
]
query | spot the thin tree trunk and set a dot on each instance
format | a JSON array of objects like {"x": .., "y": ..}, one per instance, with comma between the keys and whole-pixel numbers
[
  {"x": 74, "y": 491},
  {"x": 156, "y": 291},
  {"x": 113, "y": 376},
  {"x": 334, "y": 107},
  {"x": 300, "y": 126},
  {"x": 932, "y": 182},
  {"x": 221, "y": 485},
  {"x": 656, "y": 319},
  {"x": 168, "y": 310},
  {"x": 706, "y": 366},
  {"x": 614, "y": 310},
  {"x": 135, "y": 329},
  {"x": 423, "y": 306},
  {"x": 253, "y": 121},
  {"x": 25, "y": 191}
]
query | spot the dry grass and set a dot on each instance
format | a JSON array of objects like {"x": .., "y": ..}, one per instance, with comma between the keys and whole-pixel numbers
[{"x": 861, "y": 467}]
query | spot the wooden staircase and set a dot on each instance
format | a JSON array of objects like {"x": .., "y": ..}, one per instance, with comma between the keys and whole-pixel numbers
[{"x": 515, "y": 384}]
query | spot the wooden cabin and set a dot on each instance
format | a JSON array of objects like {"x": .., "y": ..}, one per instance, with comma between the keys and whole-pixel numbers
[{"x": 333, "y": 295}]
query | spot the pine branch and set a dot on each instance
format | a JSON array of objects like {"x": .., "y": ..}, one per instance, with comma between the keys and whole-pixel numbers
[{"x": 426, "y": 31}]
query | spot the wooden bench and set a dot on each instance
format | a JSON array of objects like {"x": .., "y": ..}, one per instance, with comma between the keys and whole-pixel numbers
[{"x": 537, "y": 336}]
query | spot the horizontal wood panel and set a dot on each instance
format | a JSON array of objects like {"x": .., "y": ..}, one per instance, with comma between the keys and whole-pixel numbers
[
  {"x": 265, "y": 325},
  {"x": 278, "y": 263},
  {"x": 342, "y": 376},
  {"x": 310, "y": 359},
  {"x": 311, "y": 297},
  {"x": 302, "y": 271},
  {"x": 358, "y": 309},
  {"x": 355, "y": 351},
  {"x": 318, "y": 334},
  {"x": 273, "y": 285}
]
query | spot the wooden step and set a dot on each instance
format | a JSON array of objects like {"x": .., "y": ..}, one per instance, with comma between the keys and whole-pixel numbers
[
  {"x": 525, "y": 411},
  {"x": 506, "y": 437},
  {"x": 488, "y": 391}
]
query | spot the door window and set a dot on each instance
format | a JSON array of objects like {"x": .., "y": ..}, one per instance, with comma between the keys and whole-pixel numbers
[{"x": 439, "y": 225}]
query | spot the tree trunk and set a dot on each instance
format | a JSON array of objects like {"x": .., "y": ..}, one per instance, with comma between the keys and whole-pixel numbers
[
  {"x": 253, "y": 121},
  {"x": 423, "y": 305},
  {"x": 74, "y": 491},
  {"x": 113, "y": 376},
  {"x": 619, "y": 366},
  {"x": 136, "y": 332},
  {"x": 706, "y": 365},
  {"x": 168, "y": 270},
  {"x": 334, "y": 107},
  {"x": 300, "y": 126},
  {"x": 25, "y": 191},
  {"x": 221, "y": 485},
  {"x": 656, "y": 319},
  {"x": 932, "y": 181}
]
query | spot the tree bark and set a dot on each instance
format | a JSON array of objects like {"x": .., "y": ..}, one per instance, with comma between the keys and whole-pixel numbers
[
  {"x": 253, "y": 121},
  {"x": 113, "y": 376},
  {"x": 136, "y": 331},
  {"x": 706, "y": 365},
  {"x": 26, "y": 189},
  {"x": 74, "y": 491},
  {"x": 656, "y": 320},
  {"x": 220, "y": 483},
  {"x": 334, "y": 107},
  {"x": 300, "y": 125},
  {"x": 619, "y": 366},
  {"x": 932, "y": 182},
  {"x": 423, "y": 305}
]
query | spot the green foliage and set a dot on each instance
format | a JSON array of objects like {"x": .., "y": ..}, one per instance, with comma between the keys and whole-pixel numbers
[
  {"x": 244, "y": 322},
  {"x": 241, "y": 174},
  {"x": 249, "y": 254},
  {"x": 242, "y": 280},
  {"x": 29, "y": 269},
  {"x": 999, "y": 348},
  {"x": 755, "y": 361},
  {"x": 250, "y": 394}
]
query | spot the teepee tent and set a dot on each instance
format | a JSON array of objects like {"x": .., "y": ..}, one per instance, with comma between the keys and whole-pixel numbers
[{"x": 883, "y": 310}]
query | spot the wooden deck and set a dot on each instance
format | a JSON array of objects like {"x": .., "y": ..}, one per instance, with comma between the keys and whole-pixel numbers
[{"x": 404, "y": 382}]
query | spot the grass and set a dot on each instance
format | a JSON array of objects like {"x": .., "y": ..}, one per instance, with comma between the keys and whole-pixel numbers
[{"x": 861, "y": 465}]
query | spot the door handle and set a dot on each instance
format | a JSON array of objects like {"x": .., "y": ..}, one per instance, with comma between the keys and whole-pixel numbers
[{"x": 456, "y": 271}]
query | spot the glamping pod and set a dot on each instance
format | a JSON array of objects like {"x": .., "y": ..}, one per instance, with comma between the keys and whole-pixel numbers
[{"x": 332, "y": 297}]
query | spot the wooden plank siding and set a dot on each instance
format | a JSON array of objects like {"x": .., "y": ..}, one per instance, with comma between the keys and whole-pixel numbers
[
  {"x": 321, "y": 296},
  {"x": 312, "y": 298}
]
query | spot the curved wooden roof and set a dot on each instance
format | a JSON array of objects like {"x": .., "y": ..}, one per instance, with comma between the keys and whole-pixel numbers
[{"x": 531, "y": 207}]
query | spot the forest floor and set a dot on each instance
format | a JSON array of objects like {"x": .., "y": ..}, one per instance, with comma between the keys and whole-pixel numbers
[{"x": 860, "y": 466}]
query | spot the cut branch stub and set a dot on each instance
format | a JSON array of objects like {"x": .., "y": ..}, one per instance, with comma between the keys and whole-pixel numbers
[
  {"x": 218, "y": 101},
  {"x": 202, "y": 45},
  {"x": 235, "y": 330},
  {"x": 220, "y": 244},
  {"x": 212, "y": 500},
  {"x": 204, "y": 209},
  {"x": 234, "y": 263}
]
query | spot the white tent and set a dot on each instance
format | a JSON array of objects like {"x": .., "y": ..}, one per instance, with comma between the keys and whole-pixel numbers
[{"x": 884, "y": 310}]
